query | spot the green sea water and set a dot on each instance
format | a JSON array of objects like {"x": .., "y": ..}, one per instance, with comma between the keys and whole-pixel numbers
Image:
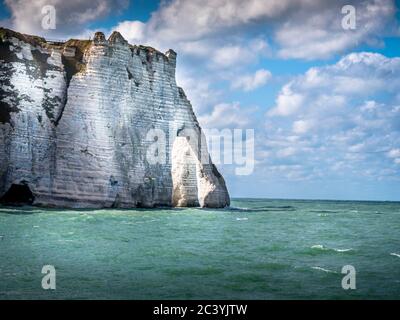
[{"x": 257, "y": 249}]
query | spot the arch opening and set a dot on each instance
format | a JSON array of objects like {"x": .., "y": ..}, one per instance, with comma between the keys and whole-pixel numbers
[{"x": 18, "y": 194}]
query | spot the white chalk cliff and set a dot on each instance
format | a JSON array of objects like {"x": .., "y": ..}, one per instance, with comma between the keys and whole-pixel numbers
[{"x": 75, "y": 119}]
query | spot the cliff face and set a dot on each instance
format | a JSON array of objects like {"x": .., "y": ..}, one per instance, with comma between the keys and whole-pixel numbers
[{"x": 75, "y": 119}]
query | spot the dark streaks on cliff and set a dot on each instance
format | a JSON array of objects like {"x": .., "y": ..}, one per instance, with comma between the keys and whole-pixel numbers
[
  {"x": 72, "y": 65},
  {"x": 130, "y": 76},
  {"x": 7, "y": 93},
  {"x": 75, "y": 64},
  {"x": 5, "y": 112},
  {"x": 41, "y": 61}
]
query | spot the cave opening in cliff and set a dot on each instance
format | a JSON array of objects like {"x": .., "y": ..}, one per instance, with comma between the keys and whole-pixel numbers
[{"x": 18, "y": 194}]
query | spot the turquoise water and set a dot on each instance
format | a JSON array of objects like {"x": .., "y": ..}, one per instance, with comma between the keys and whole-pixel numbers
[{"x": 258, "y": 249}]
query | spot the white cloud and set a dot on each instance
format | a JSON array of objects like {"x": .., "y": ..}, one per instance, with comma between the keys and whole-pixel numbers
[
  {"x": 302, "y": 126},
  {"x": 287, "y": 102},
  {"x": 251, "y": 82},
  {"x": 286, "y": 152},
  {"x": 394, "y": 153},
  {"x": 192, "y": 20},
  {"x": 72, "y": 16},
  {"x": 198, "y": 90},
  {"x": 355, "y": 75},
  {"x": 227, "y": 115},
  {"x": 300, "y": 28},
  {"x": 133, "y": 31},
  {"x": 318, "y": 33},
  {"x": 232, "y": 55},
  {"x": 318, "y": 122},
  {"x": 228, "y": 55}
]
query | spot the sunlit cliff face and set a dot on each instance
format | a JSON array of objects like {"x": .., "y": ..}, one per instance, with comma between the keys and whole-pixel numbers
[{"x": 76, "y": 122}]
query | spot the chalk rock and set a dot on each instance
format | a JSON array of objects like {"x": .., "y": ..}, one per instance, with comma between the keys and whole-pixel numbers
[{"x": 99, "y": 123}]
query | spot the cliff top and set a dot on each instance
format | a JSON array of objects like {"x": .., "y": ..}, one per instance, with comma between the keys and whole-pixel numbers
[{"x": 99, "y": 37}]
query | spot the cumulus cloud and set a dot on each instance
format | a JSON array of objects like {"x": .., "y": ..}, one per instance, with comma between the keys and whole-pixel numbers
[
  {"x": 287, "y": 103},
  {"x": 234, "y": 55},
  {"x": 322, "y": 124},
  {"x": 251, "y": 82},
  {"x": 395, "y": 155},
  {"x": 72, "y": 16},
  {"x": 198, "y": 89},
  {"x": 132, "y": 30},
  {"x": 302, "y": 126},
  {"x": 190, "y": 20},
  {"x": 299, "y": 28},
  {"x": 318, "y": 33},
  {"x": 227, "y": 115}
]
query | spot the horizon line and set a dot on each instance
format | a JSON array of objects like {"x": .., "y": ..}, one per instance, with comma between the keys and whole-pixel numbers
[{"x": 312, "y": 199}]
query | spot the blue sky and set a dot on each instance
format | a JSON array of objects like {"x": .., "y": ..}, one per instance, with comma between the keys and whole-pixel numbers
[{"x": 324, "y": 102}]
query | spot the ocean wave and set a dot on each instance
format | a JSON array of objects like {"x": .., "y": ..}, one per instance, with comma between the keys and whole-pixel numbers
[
  {"x": 324, "y": 270},
  {"x": 236, "y": 209},
  {"x": 276, "y": 208},
  {"x": 324, "y": 211},
  {"x": 395, "y": 254},
  {"x": 323, "y": 215},
  {"x": 262, "y": 209},
  {"x": 240, "y": 219},
  {"x": 321, "y": 247},
  {"x": 342, "y": 250}
]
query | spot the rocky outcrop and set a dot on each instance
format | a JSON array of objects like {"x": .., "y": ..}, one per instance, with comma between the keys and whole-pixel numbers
[{"x": 83, "y": 122}]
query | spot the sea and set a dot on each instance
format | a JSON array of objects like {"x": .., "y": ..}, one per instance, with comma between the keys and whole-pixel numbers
[{"x": 256, "y": 249}]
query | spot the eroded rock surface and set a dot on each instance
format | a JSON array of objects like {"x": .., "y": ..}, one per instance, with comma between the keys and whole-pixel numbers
[{"x": 75, "y": 120}]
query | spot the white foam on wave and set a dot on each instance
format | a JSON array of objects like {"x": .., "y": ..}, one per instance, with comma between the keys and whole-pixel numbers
[
  {"x": 321, "y": 247},
  {"x": 342, "y": 250},
  {"x": 318, "y": 246},
  {"x": 240, "y": 219},
  {"x": 395, "y": 254},
  {"x": 324, "y": 270}
]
